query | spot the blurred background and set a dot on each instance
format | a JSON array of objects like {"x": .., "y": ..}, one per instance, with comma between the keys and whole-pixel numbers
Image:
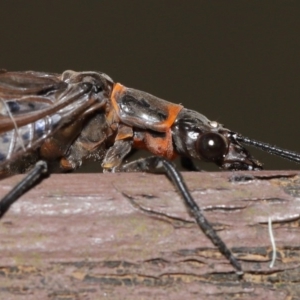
[{"x": 237, "y": 62}]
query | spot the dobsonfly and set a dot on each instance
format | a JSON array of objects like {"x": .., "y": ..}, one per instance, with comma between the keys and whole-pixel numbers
[{"x": 54, "y": 122}]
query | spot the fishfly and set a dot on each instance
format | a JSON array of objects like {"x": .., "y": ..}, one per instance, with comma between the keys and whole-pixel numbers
[{"x": 54, "y": 122}]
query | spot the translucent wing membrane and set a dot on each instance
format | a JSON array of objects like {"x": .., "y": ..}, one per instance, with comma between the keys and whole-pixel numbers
[
  {"x": 33, "y": 106},
  {"x": 22, "y": 84},
  {"x": 16, "y": 141}
]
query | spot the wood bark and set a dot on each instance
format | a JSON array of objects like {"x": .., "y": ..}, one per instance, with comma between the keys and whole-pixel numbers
[{"x": 129, "y": 236}]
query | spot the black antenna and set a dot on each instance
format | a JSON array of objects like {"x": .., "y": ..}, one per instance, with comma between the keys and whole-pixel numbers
[{"x": 287, "y": 154}]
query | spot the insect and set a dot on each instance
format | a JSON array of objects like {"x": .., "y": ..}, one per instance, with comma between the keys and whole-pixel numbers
[{"x": 54, "y": 122}]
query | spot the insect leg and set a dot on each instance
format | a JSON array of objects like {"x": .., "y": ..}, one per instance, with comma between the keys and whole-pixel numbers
[
  {"x": 116, "y": 154},
  {"x": 150, "y": 164},
  {"x": 30, "y": 180}
]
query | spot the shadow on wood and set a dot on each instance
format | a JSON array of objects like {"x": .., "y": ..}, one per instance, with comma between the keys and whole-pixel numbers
[{"x": 88, "y": 236}]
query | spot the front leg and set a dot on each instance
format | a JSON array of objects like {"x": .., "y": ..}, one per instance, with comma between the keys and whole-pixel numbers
[
  {"x": 115, "y": 155},
  {"x": 150, "y": 165}
]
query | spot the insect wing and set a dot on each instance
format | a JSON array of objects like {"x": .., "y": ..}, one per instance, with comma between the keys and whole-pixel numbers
[
  {"x": 32, "y": 106},
  {"x": 20, "y": 84}
]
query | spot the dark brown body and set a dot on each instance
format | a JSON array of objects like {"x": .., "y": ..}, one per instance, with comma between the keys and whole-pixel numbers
[{"x": 69, "y": 118}]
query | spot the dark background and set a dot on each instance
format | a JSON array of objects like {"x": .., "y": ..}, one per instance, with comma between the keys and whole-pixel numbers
[{"x": 237, "y": 62}]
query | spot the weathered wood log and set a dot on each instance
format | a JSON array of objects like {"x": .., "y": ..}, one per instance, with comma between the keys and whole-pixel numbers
[{"x": 88, "y": 236}]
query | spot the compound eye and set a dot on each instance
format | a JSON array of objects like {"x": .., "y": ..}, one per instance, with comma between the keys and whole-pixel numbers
[{"x": 211, "y": 146}]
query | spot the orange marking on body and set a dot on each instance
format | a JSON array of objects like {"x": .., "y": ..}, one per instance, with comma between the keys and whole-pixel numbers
[
  {"x": 66, "y": 165},
  {"x": 158, "y": 145},
  {"x": 124, "y": 132},
  {"x": 117, "y": 91},
  {"x": 139, "y": 140},
  {"x": 173, "y": 111}
]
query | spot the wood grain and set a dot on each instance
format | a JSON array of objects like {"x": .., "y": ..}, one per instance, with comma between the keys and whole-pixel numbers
[{"x": 129, "y": 236}]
